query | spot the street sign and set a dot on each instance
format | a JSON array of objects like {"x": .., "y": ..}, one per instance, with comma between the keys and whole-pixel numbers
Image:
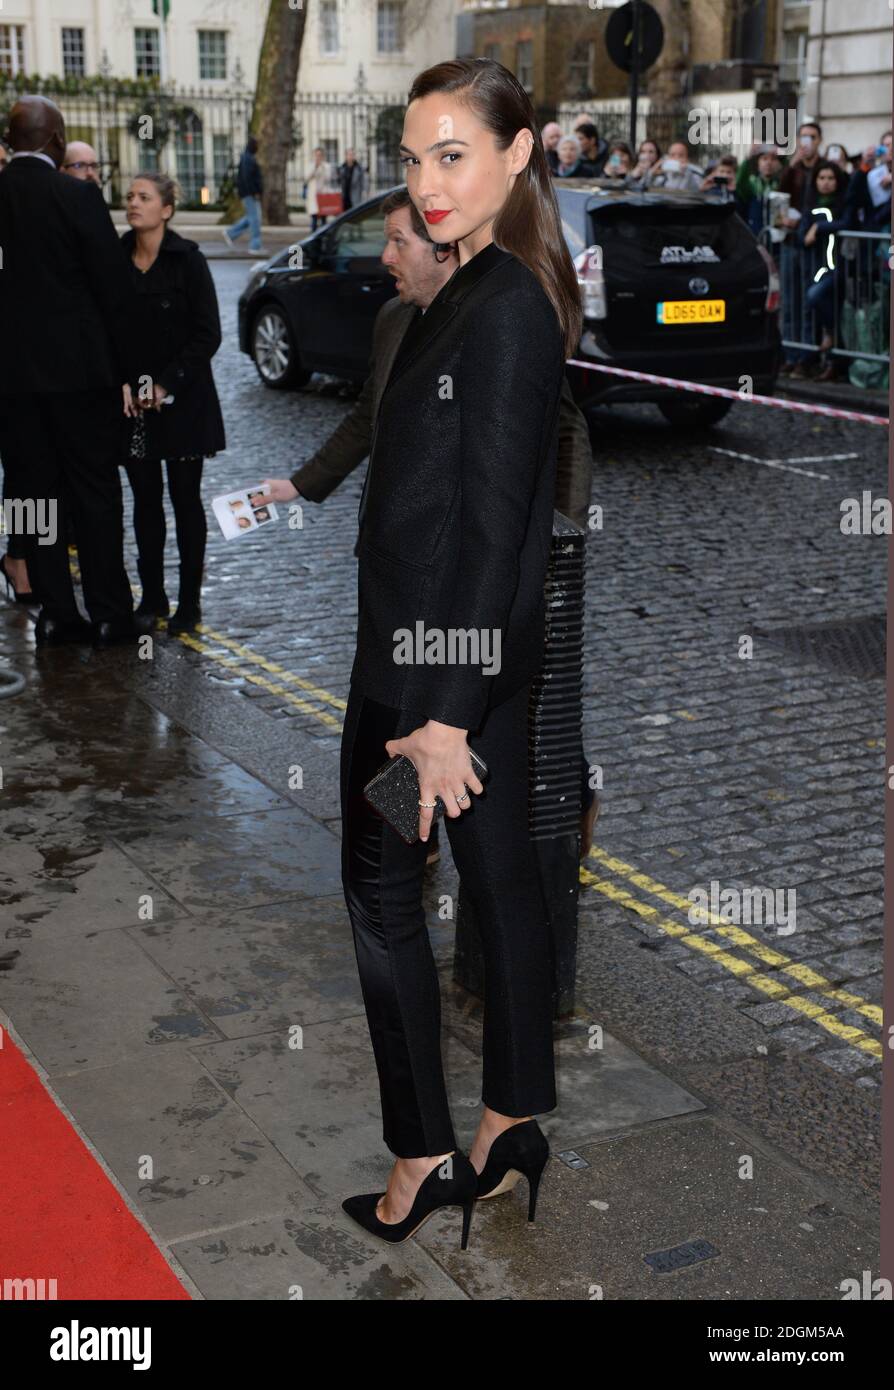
[
  {"x": 619, "y": 36},
  {"x": 634, "y": 37}
]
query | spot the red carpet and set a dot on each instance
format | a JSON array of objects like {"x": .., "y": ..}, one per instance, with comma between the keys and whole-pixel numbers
[{"x": 60, "y": 1217}]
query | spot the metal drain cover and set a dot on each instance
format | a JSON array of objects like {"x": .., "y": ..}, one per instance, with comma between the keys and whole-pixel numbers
[
  {"x": 680, "y": 1256},
  {"x": 855, "y": 647}
]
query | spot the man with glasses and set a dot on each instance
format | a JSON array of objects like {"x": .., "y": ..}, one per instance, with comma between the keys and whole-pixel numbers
[{"x": 81, "y": 162}]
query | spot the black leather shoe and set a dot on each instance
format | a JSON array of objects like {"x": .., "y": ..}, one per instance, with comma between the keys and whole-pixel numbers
[
  {"x": 434, "y": 1192},
  {"x": 186, "y": 619},
  {"x": 53, "y": 632},
  {"x": 520, "y": 1150},
  {"x": 119, "y": 630}
]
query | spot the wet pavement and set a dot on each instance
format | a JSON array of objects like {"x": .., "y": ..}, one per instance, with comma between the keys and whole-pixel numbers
[{"x": 179, "y": 958}]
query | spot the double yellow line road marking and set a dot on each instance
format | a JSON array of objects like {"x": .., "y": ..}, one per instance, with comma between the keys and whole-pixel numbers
[{"x": 770, "y": 985}]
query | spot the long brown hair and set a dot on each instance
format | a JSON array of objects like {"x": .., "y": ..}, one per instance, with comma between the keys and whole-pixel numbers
[{"x": 528, "y": 224}]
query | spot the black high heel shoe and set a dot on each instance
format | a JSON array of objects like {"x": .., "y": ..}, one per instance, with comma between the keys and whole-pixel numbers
[
  {"x": 434, "y": 1192},
  {"x": 11, "y": 588},
  {"x": 521, "y": 1150}
]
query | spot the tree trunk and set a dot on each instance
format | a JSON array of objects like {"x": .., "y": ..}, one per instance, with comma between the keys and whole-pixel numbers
[
  {"x": 274, "y": 103},
  {"x": 666, "y": 78}
]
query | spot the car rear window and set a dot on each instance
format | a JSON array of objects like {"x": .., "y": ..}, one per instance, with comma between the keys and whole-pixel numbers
[{"x": 661, "y": 236}]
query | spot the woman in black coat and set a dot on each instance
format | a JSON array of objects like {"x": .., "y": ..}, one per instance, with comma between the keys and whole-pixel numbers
[
  {"x": 454, "y": 543},
  {"x": 175, "y": 409}
]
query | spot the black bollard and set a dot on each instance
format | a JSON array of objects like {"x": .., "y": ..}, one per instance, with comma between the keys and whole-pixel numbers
[{"x": 554, "y": 804}]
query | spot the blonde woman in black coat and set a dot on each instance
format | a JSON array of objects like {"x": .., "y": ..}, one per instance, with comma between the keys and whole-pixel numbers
[
  {"x": 175, "y": 409},
  {"x": 455, "y": 537}
]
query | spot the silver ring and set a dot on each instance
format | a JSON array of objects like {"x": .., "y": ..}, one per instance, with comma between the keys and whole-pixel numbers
[
  {"x": 429, "y": 805},
  {"x": 464, "y": 797}
]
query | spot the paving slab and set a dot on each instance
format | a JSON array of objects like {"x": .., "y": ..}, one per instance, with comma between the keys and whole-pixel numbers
[
  {"x": 317, "y": 1254},
  {"x": 61, "y": 880},
  {"x": 240, "y": 861},
  {"x": 263, "y": 969},
  {"x": 211, "y": 1165},
  {"x": 82, "y": 1001},
  {"x": 664, "y": 1186}
]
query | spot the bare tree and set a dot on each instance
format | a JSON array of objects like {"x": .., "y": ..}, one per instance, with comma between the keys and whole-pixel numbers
[
  {"x": 667, "y": 77},
  {"x": 274, "y": 105}
]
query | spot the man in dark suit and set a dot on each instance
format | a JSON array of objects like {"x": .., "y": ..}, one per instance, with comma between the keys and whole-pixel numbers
[
  {"x": 63, "y": 362},
  {"x": 421, "y": 268}
]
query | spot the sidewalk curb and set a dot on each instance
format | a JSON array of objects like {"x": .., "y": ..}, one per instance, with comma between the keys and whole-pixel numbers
[{"x": 844, "y": 396}]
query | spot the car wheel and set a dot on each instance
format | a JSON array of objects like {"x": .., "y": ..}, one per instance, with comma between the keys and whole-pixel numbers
[
  {"x": 691, "y": 411},
  {"x": 274, "y": 351}
]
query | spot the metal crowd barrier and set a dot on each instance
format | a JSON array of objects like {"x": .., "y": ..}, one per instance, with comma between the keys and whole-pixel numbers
[{"x": 857, "y": 304}]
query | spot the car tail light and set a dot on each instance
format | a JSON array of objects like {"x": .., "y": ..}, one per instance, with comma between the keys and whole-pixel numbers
[
  {"x": 772, "y": 301},
  {"x": 592, "y": 282}
]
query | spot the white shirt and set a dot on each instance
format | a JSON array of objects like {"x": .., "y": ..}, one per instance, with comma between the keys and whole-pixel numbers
[
  {"x": 32, "y": 154},
  {"x": 874, "y": 178}
]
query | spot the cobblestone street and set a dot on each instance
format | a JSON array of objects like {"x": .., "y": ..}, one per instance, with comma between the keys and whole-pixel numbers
[{"x": 744, "y": 764}]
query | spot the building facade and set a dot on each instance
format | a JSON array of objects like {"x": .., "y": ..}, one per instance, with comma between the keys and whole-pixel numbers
[
  {"x": 214, "y": 42},
  {"x": 103, "y": 61}
]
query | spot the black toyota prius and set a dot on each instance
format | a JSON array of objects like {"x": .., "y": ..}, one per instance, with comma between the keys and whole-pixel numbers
[{"x": 672, "y": 284}]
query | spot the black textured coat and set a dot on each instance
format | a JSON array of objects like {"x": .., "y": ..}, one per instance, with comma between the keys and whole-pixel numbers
[
  {"x": 457, "y": 522},
  {"x": 174, "y": 333},
  {"x": 65, "y": 299}
]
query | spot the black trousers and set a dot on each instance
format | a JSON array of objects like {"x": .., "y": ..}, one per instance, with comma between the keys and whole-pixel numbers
[
  {"x": 184, "y": 487},
  {"x": 62, "y": 449},
  {"x": 382, "y": 877}
]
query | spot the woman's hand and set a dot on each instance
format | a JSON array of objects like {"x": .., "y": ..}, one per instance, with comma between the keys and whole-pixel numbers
[
  {"x": 810, "y": 236},
  {"x": 127, "y": 397},
  {"x": 440, "y": 754},
  {"x": 158, "y": 394}
]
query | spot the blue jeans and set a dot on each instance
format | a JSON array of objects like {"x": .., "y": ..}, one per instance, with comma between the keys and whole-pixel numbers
[
  {"x": 251, "y": 221},
  {"x": 797, "y": 265}
]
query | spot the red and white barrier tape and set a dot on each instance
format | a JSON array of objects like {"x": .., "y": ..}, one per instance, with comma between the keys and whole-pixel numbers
[{"x": 703, "y": 390}]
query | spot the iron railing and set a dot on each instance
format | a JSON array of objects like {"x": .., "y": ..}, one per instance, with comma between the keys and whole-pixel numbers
[
  {"x": 845, "y": 306},
  {"x": 197, "y": 134}
]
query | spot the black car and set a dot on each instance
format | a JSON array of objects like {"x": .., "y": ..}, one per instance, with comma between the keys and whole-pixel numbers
[
  {"x": 312, "y": 307},
  {"x": 672, "y": 284}
]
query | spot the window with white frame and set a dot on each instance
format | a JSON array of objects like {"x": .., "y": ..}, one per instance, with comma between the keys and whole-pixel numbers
[
  {"x": 12, "y": 49},
  {"x": 73, "y": 60},
  {"x": 212, "y": 54},
  {"x": 328, "y": 28},
  {"x": 582, "y": 68},
  {"x": 146, "y": 59},
  {"x": 524, "y": 63},
  {"x": 390, "y": 26},
  {"x": 222, "y": 157}
]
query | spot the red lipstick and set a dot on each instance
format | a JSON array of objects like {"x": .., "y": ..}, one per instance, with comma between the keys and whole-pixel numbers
[{"x": 437, "y": 215}]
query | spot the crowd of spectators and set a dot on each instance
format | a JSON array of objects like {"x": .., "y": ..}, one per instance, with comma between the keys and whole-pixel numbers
[{"x": 801, "y": 205}]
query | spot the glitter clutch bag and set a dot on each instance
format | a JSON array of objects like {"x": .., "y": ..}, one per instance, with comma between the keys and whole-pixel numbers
[{"x": 394, "y": 793}]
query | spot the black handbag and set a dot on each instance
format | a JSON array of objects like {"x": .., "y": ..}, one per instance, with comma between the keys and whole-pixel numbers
[
  {"x": 137, "y": 448},
  {"x": 394, "y": 793}
]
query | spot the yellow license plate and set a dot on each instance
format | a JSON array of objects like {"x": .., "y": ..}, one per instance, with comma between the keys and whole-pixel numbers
[{"x": 692, "y": 311}]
